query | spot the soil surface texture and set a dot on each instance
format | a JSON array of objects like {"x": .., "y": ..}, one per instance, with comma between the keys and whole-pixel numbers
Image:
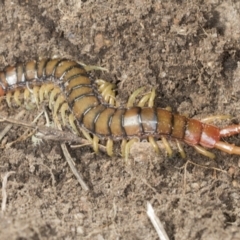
[{"x": 189, "y": 51}]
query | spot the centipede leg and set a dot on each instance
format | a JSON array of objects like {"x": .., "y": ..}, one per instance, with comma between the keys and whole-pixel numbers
[
  {"x": 128, "y": 146},
  {"x": 71, "y": 120},
  {"x": 63, "y": 110},
  {"x": 180, "y": 149},
  {"x": 95, "y": 143},
  {"x": 133, "y": 96},
  {"x": 216, "y": 118},
  {"x": 87, "y": 135},
  {"x": 167, "y": 146},
  {"x": 49, "y": 87},
  {"x": 26, "y": 95},
  {"x": 148, "y": 98},
  {"x": 89, "y": 68},
  {"x": 16, "y": 97},
  {"x": 152, "y": 98},
  {"x": 110, "y": 147},
  {"x": 107, "y": 90},
  {"x": 58, "y": 103},
  {"x": 154, "y": 144},
  {"x": 123, "y": 146},
  {"x": 53, "y": 94},
  {"x": 8, "y": 99},
  {"x": 36, "y": 94},
  {"x": 204, "y": 152},
  {"x": 144, "y": 100}
]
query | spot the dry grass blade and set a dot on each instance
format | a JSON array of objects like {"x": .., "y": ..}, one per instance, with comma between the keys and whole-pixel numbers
[
  {"x": 74, "y": 170},
  {"x": 9, "y": 126},
  {"x": 4, "y": 191},
  {"x": 156, "y": 223}
]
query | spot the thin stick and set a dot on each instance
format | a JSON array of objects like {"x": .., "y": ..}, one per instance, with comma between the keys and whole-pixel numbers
[
  {"x": 156, "y": 223},
  {"x": 9, "y": 126},
  {"x": 74, "y": 170},
  {"x": 49, "y": 133},
  {"x": 4, "y": 191}
]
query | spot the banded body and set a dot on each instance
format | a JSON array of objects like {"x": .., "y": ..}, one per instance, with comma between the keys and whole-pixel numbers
[{"x": 68, "y": 81}]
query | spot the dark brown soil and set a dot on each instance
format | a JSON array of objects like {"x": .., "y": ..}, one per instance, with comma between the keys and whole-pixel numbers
[{"x": 189, "y": 50}]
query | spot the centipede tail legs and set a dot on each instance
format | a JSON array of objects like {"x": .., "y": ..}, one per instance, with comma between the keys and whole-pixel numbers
[{"x": 227, "y": 132}]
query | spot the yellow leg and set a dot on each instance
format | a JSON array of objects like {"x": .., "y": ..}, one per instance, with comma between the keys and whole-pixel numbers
[
  {"x": 16, "y": 97},
  {"x": 133, "y": 96},
  {"x": 143, "y": 100},
  {"x": 168, "y": 109},
  {"x": 8, "y": 99},
  {"x": 214, "y": 118},
  {"x": 89, "y": 68},
  {"x": 53, "y": 94},
  {"x": 180, "y": 149},
  {"x": 95, "y": 143},
  {"x": 47, "y": 88},
  {"x": 107, "y": 90},
  {"x": 26, "y": 95},
  {"x": 127, "y": 148},
  {"x": 36, "y": 94},
  {"x": 41, "y": 93},
  {"x": 167, "y": 146},
  {"x": 123, "y": 146},
  {"x": 152, "y": 98},
  {"x": 110, "y": 147},
  {"x": 63, "y": 110},
  {"x": 71, "y": 120},
  {"x": 57, "y": 104},
  {"x": 154, "y": 144},
  {"x": 204, "y": 152}
]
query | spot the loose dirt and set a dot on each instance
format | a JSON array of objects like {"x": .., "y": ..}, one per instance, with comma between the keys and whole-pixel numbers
[{"x": 190, "y": 51}]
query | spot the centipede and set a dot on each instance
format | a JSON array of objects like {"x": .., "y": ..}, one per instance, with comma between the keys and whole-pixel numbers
[{"x": 89, "y": 106}]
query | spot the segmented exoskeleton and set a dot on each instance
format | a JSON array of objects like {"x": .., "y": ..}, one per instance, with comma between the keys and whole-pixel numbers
[{"x": 72, "y": 89}]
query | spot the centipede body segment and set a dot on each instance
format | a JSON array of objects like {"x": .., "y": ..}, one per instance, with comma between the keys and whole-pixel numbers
[{"x": 68, "y": 85}]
